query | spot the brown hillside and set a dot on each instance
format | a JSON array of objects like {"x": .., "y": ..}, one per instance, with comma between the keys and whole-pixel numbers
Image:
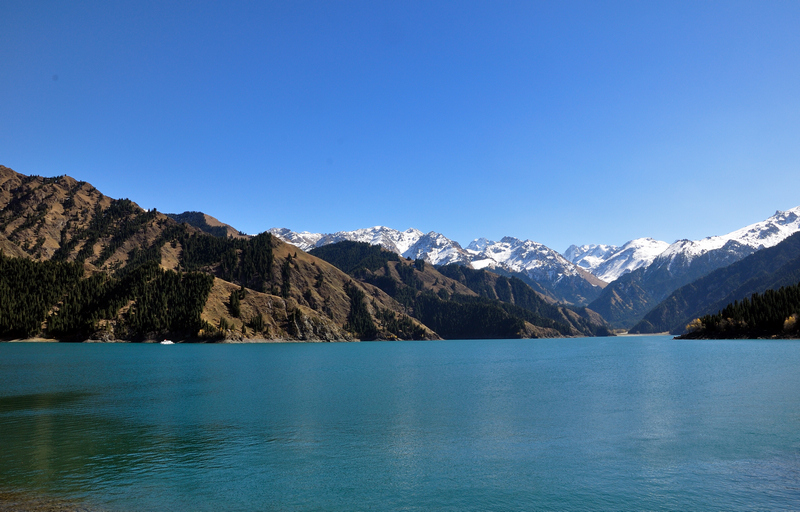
[
  {"x": 207, "y": 224},
  {"x": 69, "y": 220}
]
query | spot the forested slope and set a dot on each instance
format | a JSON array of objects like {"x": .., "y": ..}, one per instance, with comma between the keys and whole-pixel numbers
[{"x": 774, "y": 313}]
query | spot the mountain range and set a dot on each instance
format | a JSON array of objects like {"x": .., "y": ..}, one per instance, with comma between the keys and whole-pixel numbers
[
  {"x": 77, "y": 264},
  {"x": 626, "y": 300},
  {"x": 302, "y": 292},
  {"x": 621, "y": 283},
  {"x": 544, "y": 269}
]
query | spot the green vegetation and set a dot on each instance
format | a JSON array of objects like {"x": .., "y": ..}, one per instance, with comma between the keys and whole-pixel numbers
[
  {"x": 55, "y": 300},
  {"x": 359, "y": 320},
  {"x": 234, "y": 305},
  {"x": 247, "y": 262},
  {"x": 402, "y": 327},
  {"x": 466, "y": 320},
  {"x": 29, "y": 289}
]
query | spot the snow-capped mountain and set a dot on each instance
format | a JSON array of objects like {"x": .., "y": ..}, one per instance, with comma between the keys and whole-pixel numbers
[
  {"x": 589, "y": 256},
  {"x": 530, "y": 260},
  {"x": 609, "y": 262},
  {"x": 747, "y": 240},
  {"x": 537, "y": 261},
  {"x": 412, "y": 243},
  {"x": 627, "y": 299}
]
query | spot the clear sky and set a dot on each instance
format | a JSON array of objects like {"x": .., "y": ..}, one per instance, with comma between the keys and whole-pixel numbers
[{"x": 562, "y": 122}]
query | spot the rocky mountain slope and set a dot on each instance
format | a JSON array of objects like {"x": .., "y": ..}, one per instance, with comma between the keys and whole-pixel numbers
[
  {"x": 113, "y": 270},
  {"x": 207, "y": 224},
  {"x": 455, "y": 301},
  {"x": 300, "y": 297}
]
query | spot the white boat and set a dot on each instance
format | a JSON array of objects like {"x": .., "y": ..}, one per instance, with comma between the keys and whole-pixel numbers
[{"x": 167, "y": 342}]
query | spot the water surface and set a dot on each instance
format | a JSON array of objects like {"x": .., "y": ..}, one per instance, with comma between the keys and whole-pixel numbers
[{"x": 645, "y": 423}]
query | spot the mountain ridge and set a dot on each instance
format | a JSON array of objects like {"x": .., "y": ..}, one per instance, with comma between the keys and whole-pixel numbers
[{"x": 538, "y": 265}]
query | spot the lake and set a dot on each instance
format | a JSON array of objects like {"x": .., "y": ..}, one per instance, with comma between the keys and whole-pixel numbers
[{"x": 628, "y": 423}]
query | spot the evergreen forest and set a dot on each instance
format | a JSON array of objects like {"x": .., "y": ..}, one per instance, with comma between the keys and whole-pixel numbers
[
  {"x": 55, "y": 299},
  {"x": 773, "y": 313}
]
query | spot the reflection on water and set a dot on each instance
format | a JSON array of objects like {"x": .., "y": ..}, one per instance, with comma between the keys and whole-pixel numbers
[{"x": 514, "y": 425}]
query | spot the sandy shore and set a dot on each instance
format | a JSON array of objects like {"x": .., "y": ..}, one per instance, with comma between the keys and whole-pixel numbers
[{"x": 19, "y": 502}]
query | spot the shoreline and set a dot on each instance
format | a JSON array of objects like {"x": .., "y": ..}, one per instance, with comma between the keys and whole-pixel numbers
[
  {"x": 187, "y": 341},
  {"x": 632, "y": 335},
  {"x": 29, "y": 502}
]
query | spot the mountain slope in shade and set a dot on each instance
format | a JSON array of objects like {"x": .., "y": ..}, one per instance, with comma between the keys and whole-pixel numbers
[
  {"x": 538, "y": 263},
  {"x": 541, "y": 267},
  {"x": 767, "y": 269},
  {"x": 589, "y": 256},
  {"x": 451, "y": 299},
  {"x": 625, "y": 301}
]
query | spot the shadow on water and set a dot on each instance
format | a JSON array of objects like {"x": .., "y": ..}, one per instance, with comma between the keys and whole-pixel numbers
[
  {"x": 64, "y": 450},
  {"x": 60, "y": 451},
  {"x": 39, "y": 401}
]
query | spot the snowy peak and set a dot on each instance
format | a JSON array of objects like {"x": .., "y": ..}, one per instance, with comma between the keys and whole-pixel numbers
[
  {"x": 437, "y": 249},
  {"x": 478, "y": 245},
  {"x": 589, "y": 256},
  {"x": 634, "y": 254},
  {"x": 537, "y": 261},
  {"x": 432, "y": 247},
  {"x": 609, "y": 262},
  {"x": 532, "y": 260},
  {"x": 767, "y": 233},
  {"x": 304, "y": 241}
]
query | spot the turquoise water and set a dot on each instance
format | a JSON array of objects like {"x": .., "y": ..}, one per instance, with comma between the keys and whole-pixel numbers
[{"x": 644, "y": 423}]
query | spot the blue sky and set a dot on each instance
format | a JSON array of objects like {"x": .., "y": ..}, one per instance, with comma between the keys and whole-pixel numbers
[{"x": 562, "y": 122}]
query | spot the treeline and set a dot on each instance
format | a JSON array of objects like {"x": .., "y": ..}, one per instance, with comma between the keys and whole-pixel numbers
[
  {"x": 466, "y": 320},
  {"x": 360, "y": 322},
  {"x": 247, "y": 262},
  {"x": 120, "y": 221},
  {"x": 53, "y": 299},
  {"x": 772, "y": 313}
]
